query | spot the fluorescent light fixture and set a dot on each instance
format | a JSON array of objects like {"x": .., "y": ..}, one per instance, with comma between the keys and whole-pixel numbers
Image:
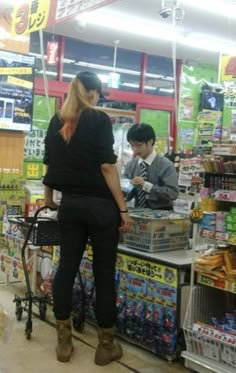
[
  {"x": 151, "y": 88},
  {"x": 133, "y": 85},
  {"x": 167, "y": 90},
  {"x": 52, "y": 73},
  {"x": 37, "y": 55},
  {"x": 119, "y": 70},
  {"x": 131, "y": 25},
  {"x": 108, "y": 68},
  {"x": 170, "y": 78},
  {"x": 208, "y": 43},
  {"x": 67, "y": 60},
  {"x": 155, "y": 76},
  {"x": 221, "y": 7},
  {"x": 158, "y": 30}
]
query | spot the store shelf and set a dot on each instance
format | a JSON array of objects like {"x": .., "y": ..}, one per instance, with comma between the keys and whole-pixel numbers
[
  {"x": 177, "y": 258},
  {"x": 224, "y": 154},
  {"x": 218, "y": 237},
  {"x": 218, "y": 283},
  {"x": 210, "y": 350},
  {"x": 225, "y": 200},
  {"x": 219, "y": 173},
  {"x": 201, "y": 364}
]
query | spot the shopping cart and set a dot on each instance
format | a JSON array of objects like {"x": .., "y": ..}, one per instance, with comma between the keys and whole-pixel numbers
[{"x": 38, "y": 231}]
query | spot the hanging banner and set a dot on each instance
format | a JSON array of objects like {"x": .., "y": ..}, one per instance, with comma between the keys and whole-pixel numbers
[
  {"x": 52, "y": 52},
  {"x": 228, "y": 68},
  {"x": 35, "y": 15}
]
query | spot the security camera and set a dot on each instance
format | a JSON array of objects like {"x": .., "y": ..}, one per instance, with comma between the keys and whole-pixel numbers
[{"x": 165, "y": 12}]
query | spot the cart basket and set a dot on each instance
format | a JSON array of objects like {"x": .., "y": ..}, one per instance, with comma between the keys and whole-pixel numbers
[{"x": 44, "y": 231}]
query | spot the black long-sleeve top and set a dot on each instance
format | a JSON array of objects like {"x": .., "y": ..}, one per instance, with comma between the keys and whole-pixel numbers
[{"x": 76, "y": 167}]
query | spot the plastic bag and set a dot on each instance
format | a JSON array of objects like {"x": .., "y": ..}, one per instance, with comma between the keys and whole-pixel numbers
[{"x": 5, "y": 325}]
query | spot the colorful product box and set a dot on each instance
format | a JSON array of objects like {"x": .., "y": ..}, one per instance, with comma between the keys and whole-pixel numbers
[
  {"x": 221, "y": 221},
  {"x": 231, "y": 227}
]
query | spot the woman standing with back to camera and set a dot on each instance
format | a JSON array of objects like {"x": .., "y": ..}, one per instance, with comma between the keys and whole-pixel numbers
[{"x": 81, "y": 164}]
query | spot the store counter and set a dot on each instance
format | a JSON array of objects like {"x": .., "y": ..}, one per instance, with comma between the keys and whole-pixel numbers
[{"x": 180, "y": 259}]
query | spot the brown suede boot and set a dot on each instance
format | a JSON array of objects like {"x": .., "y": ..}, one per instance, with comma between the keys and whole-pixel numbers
[
  {"x": 107, "y": 351},
  {"x": 64, "y": 337}
]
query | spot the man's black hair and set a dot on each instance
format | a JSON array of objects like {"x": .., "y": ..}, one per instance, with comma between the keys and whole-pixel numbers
[{"x": 141, "y": 132}]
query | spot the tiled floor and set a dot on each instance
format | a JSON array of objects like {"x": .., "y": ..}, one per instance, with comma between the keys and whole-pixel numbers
[{"x": 20, "y": 355}]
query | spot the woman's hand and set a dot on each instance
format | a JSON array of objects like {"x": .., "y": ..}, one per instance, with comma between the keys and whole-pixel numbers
[
  {"x": 126, "y": 222},
  {"x": 50, "y": 203}
]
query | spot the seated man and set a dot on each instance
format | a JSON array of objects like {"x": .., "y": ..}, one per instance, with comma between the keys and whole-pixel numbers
[{"x": 154, "y": 176}]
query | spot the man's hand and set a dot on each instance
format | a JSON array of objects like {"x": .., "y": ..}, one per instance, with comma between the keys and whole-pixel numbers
[{"x": 138, "y": 180}]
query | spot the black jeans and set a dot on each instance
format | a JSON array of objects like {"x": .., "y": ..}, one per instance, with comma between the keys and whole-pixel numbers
[{"x": 81, "y": 217}]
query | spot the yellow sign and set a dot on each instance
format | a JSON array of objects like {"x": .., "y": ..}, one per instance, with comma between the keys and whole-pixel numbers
[
  {"x": 228, "y": 68},
  {"x": 33, "y": 170},
  {"x": 19, "y": 82},
  {"x": 161, "y": 146},
  {"x": 16, "y": 70},
  {"x": 35, "y": 15},
  {"x": 30, "y": 16},
  {"x": 147, "y": 269}
]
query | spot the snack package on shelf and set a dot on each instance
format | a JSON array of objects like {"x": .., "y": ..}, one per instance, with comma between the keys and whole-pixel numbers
[{"x": 218, "y": 263}]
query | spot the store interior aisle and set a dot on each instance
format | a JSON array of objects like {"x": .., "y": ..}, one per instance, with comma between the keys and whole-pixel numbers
[{"x": 37, "y": 355}]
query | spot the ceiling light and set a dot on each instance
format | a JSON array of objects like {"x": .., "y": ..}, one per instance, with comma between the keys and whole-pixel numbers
[
  {"x": 131, "y": 25},
  {"x": 108, "y": 68},
  {"x": 209, "y": 43},
  {"x": 48, "y": 72},
  {"x": 170, "y": 78},
  {"x": 167, "y": 90},
  {"x": 223, "y": 8},
  {"x": 156, "y": 30},
  {"x": 120, "y": 70},
  {"x": 133, "y": 85}
]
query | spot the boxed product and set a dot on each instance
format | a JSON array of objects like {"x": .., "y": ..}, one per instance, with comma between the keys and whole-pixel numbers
[
  {"x": 208, "y": 221},
  {"x": 221, "y": 221}
]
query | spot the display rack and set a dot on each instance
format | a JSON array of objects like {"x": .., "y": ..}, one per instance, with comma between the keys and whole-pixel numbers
[{"x": 211, "y": 346}]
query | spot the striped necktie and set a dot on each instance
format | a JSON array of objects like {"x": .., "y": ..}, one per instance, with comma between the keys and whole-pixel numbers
[{"x": 141, "y": 193}]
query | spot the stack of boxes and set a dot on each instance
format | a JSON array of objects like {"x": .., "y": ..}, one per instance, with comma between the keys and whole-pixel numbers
[{"x": 220, "y": 225}]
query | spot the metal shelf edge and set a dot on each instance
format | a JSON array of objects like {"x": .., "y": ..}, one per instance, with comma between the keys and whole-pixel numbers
[{"x": 207, "y": 364}]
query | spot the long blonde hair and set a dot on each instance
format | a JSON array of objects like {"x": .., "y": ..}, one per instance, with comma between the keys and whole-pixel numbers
[{"x": 76, "y": 101}]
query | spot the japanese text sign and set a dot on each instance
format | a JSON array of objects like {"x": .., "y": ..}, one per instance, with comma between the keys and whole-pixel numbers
[
  {"x": 35, "y": 15},
  {"x": 151, "y": 270}
]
